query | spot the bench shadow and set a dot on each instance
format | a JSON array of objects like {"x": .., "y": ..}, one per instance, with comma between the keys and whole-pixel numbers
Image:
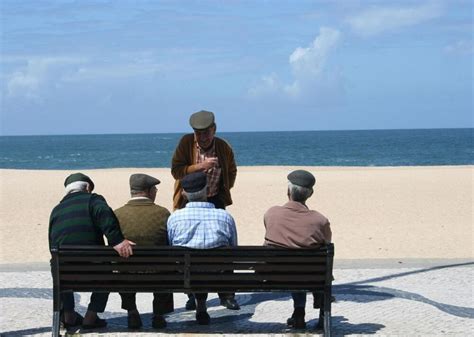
[{"x": 225, "y": 321}]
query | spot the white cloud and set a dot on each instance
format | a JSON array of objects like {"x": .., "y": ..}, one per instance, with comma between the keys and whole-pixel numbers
[
  {"x": 460, "y": 47},
  {"x": 40, "y": 75},
  {"x": 269, "y": 84},
  {"x": 39, "y": 72},
  {"x": 307, "y": 67},
  {"x": 378, "y": 20},
  {"x": 308, "y": 63}
]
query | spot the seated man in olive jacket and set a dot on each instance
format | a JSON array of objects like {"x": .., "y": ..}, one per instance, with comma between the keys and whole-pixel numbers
[{"x": 144, "y": 222}]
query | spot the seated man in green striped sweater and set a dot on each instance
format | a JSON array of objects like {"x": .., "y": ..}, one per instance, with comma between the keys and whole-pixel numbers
[{"x": 83, "y": 218}]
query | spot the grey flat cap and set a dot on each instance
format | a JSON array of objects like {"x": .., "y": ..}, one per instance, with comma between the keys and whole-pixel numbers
[
  {"x": 302, "y": 178},
  {"x": 142, "y": 182},
  {"x": 78, "y": 177},
  {"x": 201, "y": 120},
  {"x": 194, "y": 182}
]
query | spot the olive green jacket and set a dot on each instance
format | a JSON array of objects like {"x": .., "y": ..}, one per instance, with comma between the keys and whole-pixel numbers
[{"x": 143, "y": 222}]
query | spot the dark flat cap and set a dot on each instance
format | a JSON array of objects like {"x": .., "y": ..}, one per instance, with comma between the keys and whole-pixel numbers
[
  {"x": 201, "y": 120},
  {"x": 78, "y": 177},
  {"x": 302, "y": 178},
  {"x": 142, "y": 182},
  {"x": 194, "y": 182}
]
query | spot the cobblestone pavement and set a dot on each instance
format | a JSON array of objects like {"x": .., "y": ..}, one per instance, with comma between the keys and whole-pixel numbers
[{"x": 424, "y": 300}]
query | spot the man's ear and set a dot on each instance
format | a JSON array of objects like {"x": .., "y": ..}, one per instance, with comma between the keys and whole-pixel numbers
[
  {"x": 312, "y": 191},
  {"x": 184, "y": 194}
]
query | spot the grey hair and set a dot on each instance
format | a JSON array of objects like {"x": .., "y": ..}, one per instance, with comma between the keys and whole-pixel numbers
[
  {"x": 77, "y": 186},
  {"x": 299, "y": 193},
  {"x": 135, "y": 192},
  {"x": 197, "y": 196}
]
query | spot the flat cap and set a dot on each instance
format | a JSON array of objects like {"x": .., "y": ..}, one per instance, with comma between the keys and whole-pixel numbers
[
  {"x": 194, "y": 182},
  {"x": 142, "y": 182},
  {"x": 201, "y": 120},
  {"x": 78, "y": 177},
  {"x": 302, "y": 178}
]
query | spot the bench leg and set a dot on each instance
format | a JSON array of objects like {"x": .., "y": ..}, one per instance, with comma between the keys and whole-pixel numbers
[
  {"x": 327, "y": 323},
  {"x": 327, "y": 312},
  {"x": 56, "y": 324}
]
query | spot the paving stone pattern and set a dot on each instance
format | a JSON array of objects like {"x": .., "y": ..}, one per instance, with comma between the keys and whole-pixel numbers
[{"x": 424, "y": 301}]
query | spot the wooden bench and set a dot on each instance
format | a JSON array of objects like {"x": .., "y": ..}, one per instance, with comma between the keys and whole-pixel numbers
[{"x": 179, "y": 270}]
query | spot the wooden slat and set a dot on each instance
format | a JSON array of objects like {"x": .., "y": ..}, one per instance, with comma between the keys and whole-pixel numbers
[
  {"x": 119, "y": 277},
  {"x": 151, "y": 259},
  {"x": 260, "y": 267},
  {"x": 268, "y": 277},
  {"x": 122, "y": 267},
  {"x": 260, "y": 259}
]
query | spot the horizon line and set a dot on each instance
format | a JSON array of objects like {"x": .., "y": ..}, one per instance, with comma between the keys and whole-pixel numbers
[{"x": 262, "y": 131}]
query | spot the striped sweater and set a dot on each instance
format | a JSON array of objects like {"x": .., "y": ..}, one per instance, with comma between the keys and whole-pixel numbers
[{"x": 83, "y": 218}]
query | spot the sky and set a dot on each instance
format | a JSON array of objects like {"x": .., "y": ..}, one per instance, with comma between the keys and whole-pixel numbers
[{"x": 88, "y": 67}]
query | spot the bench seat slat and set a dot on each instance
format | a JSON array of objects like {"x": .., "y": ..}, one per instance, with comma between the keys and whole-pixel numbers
[
  {"x": 237, "y": 287},
  {"x": 194, "y": 277}
]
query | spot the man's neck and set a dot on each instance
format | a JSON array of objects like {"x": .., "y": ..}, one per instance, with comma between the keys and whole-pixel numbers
[{"x": 299, "y": 202}]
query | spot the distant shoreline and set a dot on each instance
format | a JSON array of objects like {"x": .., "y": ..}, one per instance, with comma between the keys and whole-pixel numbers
[{"x": 231, "y": 132}]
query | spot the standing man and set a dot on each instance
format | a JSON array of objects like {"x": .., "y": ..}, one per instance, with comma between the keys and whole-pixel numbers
[
  {"x": 200, "y": 225},
  {"x": 83, "y": 218},
  {"x": 202, "y": 151},
  {"x": 144, "y": 222},
  {"x": 294, "y": 225}
]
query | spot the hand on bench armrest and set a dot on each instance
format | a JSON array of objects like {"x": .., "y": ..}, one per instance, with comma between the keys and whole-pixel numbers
[{"x": 124, "y": 248}]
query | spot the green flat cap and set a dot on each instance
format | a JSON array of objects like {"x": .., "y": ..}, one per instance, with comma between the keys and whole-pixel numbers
[
  {"x": 302, "y": 178},
  {"x": 201, "y": 120},
  {"x": 142, "y": 182},
  {"x": 78, "y": 177}
]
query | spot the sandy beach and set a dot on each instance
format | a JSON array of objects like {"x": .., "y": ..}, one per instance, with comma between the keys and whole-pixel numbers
[{"x": 375, "y": 212}]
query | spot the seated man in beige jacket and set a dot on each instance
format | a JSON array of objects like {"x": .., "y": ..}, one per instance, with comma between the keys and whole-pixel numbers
[{"x": 294, "y": 225}]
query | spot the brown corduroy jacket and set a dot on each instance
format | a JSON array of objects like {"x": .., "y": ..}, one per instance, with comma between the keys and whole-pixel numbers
[{"x": 183, "y": 157}]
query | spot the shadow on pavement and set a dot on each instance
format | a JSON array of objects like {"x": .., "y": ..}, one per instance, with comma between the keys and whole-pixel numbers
[{"x": 225, "y": 321}]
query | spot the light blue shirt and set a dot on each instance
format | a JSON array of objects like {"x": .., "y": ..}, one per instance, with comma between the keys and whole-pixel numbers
[{"x": 200, "y": 225}]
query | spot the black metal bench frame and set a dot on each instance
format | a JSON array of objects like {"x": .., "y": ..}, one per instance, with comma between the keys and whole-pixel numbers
[{"x": 179, "y": 270}]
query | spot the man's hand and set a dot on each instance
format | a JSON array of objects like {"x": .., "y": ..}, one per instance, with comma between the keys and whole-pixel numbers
[
  {"x": 124, "y": 248},
  {"x": 209, "y": 163}
]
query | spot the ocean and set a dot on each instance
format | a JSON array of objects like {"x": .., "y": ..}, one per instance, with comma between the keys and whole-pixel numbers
[{"x": 300, "y": 148}]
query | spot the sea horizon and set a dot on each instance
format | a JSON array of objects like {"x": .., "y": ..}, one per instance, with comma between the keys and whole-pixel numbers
[
  {"x": 388, "y": 147},
  {"x": 223, "y": 131}
]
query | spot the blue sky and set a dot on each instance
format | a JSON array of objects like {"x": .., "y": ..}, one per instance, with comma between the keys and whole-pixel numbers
[{"x": 79, "y": 67}]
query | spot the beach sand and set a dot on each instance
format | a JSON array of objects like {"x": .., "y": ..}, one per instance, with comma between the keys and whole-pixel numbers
[{"x": 375, "y": 212}]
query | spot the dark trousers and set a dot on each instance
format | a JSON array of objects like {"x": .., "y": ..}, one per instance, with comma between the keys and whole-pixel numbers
[
  {"x": 200, "y": 296},
  {"x": 218, "y": 203},
  {"x": 222, "y": 296},
  {"x": 97, "y": 302},
  {"x": 162, "y": 302}
]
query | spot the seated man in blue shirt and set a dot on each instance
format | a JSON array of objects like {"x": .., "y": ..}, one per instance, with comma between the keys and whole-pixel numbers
[{"x": 200, "y": 225}]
